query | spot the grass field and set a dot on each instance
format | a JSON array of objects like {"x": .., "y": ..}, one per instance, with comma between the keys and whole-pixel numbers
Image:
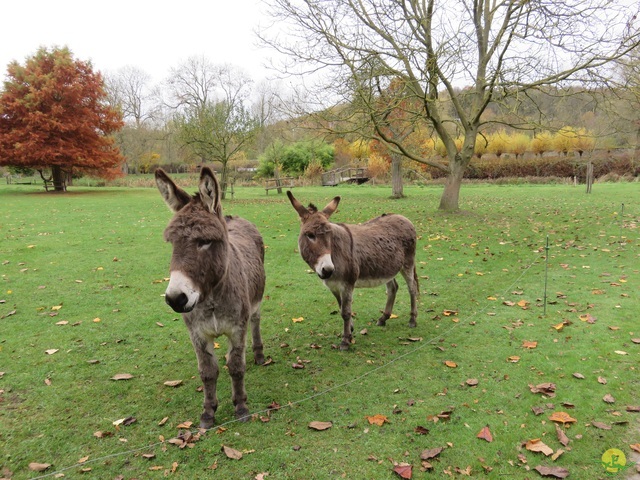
[{"x": 81, "y": 281}]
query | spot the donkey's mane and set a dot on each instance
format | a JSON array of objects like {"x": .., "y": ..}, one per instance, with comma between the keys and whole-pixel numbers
[{"x": 312, "y": 208}]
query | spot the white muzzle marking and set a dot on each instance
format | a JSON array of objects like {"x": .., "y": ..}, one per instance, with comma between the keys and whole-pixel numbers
[
  {"x": 324, "y": 266},
  {"x": 181, "y": 283}
]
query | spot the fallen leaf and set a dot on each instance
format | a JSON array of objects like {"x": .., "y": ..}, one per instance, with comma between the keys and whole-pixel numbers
[
  {"x": 430, "y": 453},
  {"x": 83, "y": 459},
  {"x": 420, "y": 430},
  {"x": 377, "y": 419},
  {"x": 56, "y": 307},
  {"x": 472, "y": 382},
  {"x": 602, "y": 380},
  {"x": 544, "y": 388},
  {"x": 186, "y": 425},
  {"x": 528, "y": 344},
  {"x": 601, "y": 426},
  {"x": 163, "y": 421},
  {"x": 608, "y": 398},
  {"x": 562, "y": 437},
  {"x": 513, "y": 359},
  {"x": 403, "y": 470},
  {"x": 556, "y": 472},
  {"x": 621, "y": 352},
  {"x": 587, "y": 317},
  {"x": 450, "y": 364},
  {"x": 122, "y": 376},
  {"x": 149, "y": 456},
  {"x": 51, "y": 351},
  {"x": 579, "y": 375},
  {"x": 538, "y": 446},
  {"x": 173, "y": 383},
  {"x": 562, "y": 417},
  {"x": 232, "y": 453},
  {"x": 320, "y": 425},
  {"x": 485, "y": 434},
  {"x": 555, "y": 456},
  {"x": 38, "y": 467},
  {"x": 635, "y": 447},
  {"x": 297, "y": 320}
]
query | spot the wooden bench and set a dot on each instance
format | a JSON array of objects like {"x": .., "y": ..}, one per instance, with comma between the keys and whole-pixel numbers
[
  {"x": 282, "y": 182},
  {"x": 19, "y": 180}
]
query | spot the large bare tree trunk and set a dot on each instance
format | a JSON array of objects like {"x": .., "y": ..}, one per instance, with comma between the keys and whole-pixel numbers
[
  {"x": 450, "y": 199},
  {"x": 224, "y": 180},
  {"x": 396, "y": 176}
]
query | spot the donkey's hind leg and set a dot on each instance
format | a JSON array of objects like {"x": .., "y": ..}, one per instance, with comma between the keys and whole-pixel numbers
[
  {"x": 256, "y": 338},
  {"x": 411, "y": 277},
  {"x": 392, "y": 289}
]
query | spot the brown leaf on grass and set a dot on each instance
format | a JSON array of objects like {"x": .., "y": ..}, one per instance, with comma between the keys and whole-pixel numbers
[
  {"x": 100, "y": 434},
  {"x": 173, "y": 383},
  {"x": 587, "y": 317},
  {"x": 601, "y": 426},
  {"x": 529, "y": 344},
  {"x": 562, "y": 417},
  {"x": 448, "y": 313},
  {"x": 148, "y": 456},
  {"x": 602, "y": 380},
  {"x": 450, "y": 364},
  {"x": 579, "y": 375},
  {"x": 635, "y": 447},
  {"x": 430, "y": 453},
  {"x": 556, "y": 472},
  {"x": 513, "y": 359},
  {"x": 38, "y": 467},
  {"x": 608, "y": 398},
  {"x": 485, "y": 434},
  {"x": 547, "y": 389},
  {"x": 630, "y": 408},
  {"x": 51, "y": 351},
  {"x": 420, "y": 430},
  {"x": 635, "y": 340},
  {"x": 562, "y": 437},
  {"x": 185, "y": 425},
  {"x": 472, "y": 382},
  {"x": 320, "y": 425},
  {"x": 232, "y": 453},
  {"x": 377, "y": 419},
  {"x": 537, "y": 446},
  {"x": 122, "y": 376},
  {"x": 403, "y": 470},
  {"x": 537, "y": 410}
]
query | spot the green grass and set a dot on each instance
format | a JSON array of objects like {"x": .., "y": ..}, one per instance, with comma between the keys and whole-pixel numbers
[{"x": 98, "y": 253}]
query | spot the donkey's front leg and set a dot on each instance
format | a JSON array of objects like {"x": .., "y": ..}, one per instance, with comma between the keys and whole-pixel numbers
[
  {"x": 208, "y": 368},
  {"x": 237, "y": 366},
  {"x": 256, "y": 338},
  {"x": 392, "y": 289},
  {"x": 346, "y": 297}
]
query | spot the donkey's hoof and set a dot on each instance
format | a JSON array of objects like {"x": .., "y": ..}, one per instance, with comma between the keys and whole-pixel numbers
[
  {"x": 258, "y": 359},
  {"x": 412, "y": 323},
  {"x": 207, "y": 421},
  {"x": 243, "y": 415},
  {"x": 381, "y": 323}
]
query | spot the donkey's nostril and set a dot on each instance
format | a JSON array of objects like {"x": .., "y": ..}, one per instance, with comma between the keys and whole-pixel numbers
[
  {"x": 326, "y": 272},
  {"x": 178, "y": 302}
]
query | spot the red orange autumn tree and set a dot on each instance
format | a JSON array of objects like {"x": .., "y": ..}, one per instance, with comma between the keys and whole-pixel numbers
[{"x": 53, "y": 118}]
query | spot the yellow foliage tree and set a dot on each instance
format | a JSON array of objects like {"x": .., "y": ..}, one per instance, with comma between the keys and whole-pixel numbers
[
  {"x": 585, "y": 141},
  {"x": 541, "y": 143},
  {"x": 497, "y": 143},
  {"x": 518, "y": 144},
  {"x": 377, "y": 166},
  {"x": 565, "y": 140}
]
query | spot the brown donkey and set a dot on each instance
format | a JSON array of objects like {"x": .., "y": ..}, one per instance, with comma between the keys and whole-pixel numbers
[
  {"x": 352, "y": 256},
  {"x": 216, "y": 282}
]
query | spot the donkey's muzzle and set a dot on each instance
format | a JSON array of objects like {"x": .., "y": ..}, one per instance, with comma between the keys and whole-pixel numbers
[
  {"x": 179, "y": 303},
  {"x": 325, "y": 272}
]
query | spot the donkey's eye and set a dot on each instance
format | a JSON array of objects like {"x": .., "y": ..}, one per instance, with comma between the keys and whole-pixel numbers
[
  {"x": 310, "y": 236},
  {"x": 203, "y": 244}
]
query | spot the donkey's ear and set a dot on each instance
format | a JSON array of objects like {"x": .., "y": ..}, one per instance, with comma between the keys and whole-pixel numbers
[
  {"x": 301, "y": 209},
  {"x": 331, "y": 206},
  {"x": 173, "y": 195},
  {"x": 210, "y": 191}
]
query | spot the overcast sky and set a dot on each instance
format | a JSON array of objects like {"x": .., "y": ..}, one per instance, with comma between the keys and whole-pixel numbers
[{"x": 153, "y": 36}]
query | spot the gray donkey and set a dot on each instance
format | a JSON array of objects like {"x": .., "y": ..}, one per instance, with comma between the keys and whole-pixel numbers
[
  {"x": 216, "y": 282},
  {"x": 365, "y": 255}
]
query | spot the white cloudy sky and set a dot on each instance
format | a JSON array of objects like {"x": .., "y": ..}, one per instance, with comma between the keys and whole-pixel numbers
[{"x": 153, "y": 36}]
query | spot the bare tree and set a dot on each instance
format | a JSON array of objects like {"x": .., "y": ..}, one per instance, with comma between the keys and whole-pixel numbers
[
  {"x": 492, "y": 48},
  {"x": 212, "y": 112},
  {"x": 130, "y": 91}
]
